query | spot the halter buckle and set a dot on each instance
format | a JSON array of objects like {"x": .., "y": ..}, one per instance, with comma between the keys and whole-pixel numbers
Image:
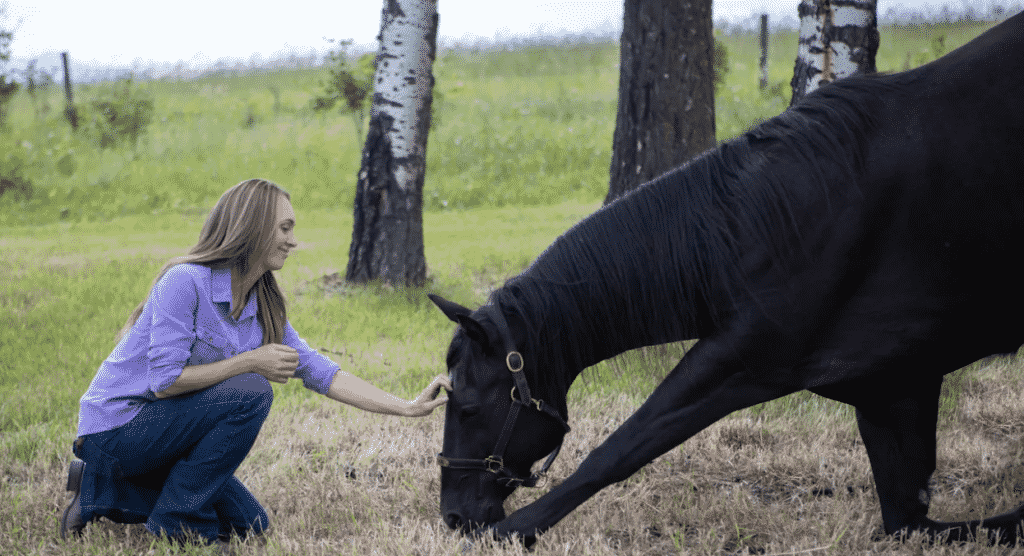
[
  {"x": 490, "y": 461},
  {"x": 508, "y": 361}
]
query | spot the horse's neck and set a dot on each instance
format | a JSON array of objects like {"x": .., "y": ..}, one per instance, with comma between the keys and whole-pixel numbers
[{"x": 589, "y": 329}]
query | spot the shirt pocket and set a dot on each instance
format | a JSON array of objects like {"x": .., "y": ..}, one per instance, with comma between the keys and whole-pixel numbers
[{"x": 211, "y": 346}]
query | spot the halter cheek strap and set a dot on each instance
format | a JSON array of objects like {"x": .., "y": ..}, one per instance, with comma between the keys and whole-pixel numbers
[{"x": 495, "y": 462}]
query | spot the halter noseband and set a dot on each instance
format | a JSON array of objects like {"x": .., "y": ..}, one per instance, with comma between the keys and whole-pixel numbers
[{"x": 495, "y": 463}]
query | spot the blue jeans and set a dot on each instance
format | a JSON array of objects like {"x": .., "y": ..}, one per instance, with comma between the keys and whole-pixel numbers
[{"x": 172, "y": 466}]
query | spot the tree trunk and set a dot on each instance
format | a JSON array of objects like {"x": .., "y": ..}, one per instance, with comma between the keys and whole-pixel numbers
[
  {"x": 838, "y": 38},
  {"x": 666, "y": 111},
  {"x": 387, "y": 236}
]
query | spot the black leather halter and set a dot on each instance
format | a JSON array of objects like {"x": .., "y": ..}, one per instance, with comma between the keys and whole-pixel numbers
[{"x": 495, "y": 463}]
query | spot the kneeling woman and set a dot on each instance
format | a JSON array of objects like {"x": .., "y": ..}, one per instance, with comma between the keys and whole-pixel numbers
[{"x": 176, "y": 407}]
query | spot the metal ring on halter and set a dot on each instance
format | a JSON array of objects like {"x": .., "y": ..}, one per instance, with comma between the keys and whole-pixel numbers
[
  {"x": 508, "y": 361},
  {"x": 491, "y": 461},
  {"x": 538, "y": 403}
]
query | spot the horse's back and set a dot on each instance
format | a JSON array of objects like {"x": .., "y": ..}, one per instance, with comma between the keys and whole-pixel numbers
[
  {"x": 930, "y": 280},
  {"x": 973, "y": 120}
]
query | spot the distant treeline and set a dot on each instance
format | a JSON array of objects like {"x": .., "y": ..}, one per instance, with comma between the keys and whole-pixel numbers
[{"x": 92, "y": 72}]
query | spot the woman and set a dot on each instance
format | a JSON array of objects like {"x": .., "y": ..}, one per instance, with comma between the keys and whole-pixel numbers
[{"x": 176, "y": 407}]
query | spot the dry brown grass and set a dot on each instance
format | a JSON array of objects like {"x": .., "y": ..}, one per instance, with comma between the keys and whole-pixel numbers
[{"x": 338, "y": 481}]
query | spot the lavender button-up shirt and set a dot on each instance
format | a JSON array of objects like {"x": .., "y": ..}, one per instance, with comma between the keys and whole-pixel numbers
[{"x": 186, "y": 321}]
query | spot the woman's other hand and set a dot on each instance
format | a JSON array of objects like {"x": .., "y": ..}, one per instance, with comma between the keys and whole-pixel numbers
[{"x": 275, "y": 362}]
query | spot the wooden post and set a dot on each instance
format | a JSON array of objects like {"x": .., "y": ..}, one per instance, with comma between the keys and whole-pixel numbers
[
  {"x": 70, "y": 111},
  {"x": 764, "y": 51}
]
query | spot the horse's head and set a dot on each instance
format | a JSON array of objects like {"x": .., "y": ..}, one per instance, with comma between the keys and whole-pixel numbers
[{"x": 494, "y": 431}]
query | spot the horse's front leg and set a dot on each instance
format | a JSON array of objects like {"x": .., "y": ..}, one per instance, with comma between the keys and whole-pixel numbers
[{"x": 705, "y": 386}]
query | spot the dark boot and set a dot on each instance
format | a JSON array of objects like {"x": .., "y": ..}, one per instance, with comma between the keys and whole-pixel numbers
[{"x": 71, "y": 522}]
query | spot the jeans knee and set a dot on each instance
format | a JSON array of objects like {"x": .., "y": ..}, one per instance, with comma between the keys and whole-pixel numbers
[{"x": 251, "y": 390}]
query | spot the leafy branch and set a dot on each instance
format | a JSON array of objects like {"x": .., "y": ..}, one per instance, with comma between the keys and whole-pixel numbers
[{"x": 349, "y": 83}]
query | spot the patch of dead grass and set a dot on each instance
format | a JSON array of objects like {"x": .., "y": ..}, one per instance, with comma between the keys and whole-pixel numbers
[{"x": 339, "y": 481}]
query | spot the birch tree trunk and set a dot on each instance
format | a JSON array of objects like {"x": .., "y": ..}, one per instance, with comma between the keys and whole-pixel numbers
[
  {"x": 387, "y": 235},
  {"x": 838, "y": 38},
  {"x": 666, "y": 112}
]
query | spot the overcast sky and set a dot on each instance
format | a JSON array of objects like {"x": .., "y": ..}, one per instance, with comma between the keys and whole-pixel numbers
[{"x": 132, "y": 33}]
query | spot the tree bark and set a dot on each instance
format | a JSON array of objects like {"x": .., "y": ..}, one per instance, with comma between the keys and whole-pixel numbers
[
  {"x": 838, "y": 38},
  {"x": 666, "y": 112},
  {"x": 387, "y": 235}
]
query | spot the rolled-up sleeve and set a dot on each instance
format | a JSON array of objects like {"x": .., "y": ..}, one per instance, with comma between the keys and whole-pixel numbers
[
  {"x": 175, "y": 300},
  {"x": 315, "y": 369}
]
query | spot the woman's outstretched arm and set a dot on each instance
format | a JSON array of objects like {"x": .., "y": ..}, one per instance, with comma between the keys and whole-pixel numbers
[{"x": 352, "y": 390}]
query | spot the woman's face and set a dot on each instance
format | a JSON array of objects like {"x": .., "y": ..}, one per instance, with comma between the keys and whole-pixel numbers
[{"x": 283, "y": 236}]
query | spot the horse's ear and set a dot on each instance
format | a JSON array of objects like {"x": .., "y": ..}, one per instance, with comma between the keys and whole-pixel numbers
[
  {"x": 474, "y": 330},
  {"x": 450, "y": 309},
  {"x": 459, "y": 314}
]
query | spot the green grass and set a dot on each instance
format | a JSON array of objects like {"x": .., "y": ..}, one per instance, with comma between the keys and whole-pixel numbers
[
  {"x": 525, "y": 127},
  {"x": 67, "y": 289}
]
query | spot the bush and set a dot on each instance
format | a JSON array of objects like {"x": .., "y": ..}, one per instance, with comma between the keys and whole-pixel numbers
[
  {"x": 7, "y": 86},
  {"x": 719, "y": 63},
  {"x": 120, "y": 113},
  {"x": 13, "y": 160},
  {"x": 350, "y": 82}
]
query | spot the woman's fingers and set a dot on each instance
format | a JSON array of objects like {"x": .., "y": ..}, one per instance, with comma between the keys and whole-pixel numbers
[
  {"x": 428, "y": 399},
  {"x": 441, "y": 381},
  {"x": 432, "y": 391},
  {"x": 276, "y": 362},
  {"x": 286, "y": 354}
]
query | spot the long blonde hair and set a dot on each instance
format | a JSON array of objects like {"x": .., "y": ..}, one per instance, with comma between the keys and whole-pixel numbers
[{"x": 239, "y": 227}]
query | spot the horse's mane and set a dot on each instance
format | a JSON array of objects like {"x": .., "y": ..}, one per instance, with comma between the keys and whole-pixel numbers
[{"x": 652, "y": 266}]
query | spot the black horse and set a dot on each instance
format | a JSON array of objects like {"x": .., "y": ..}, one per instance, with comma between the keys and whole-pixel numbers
[{"x": 860, "y": 245}]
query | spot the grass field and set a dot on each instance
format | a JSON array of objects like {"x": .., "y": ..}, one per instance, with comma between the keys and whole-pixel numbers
[
  {"x": 525, "y": 127},
  {"x": 519, "y": 154},
  {"x": 784, "y": 477}
]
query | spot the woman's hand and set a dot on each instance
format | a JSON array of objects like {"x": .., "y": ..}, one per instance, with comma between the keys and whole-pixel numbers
[
  {"x": 428, "y": 401},
  {"x": 276, "y": 362}
]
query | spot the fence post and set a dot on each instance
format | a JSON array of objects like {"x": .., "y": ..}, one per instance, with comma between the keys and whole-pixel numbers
[
  {"x": 70, "y": 111},
  {"x": 764, "y": 51}
]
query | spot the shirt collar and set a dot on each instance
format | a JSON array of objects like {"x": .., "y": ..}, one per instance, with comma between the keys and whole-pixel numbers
[{"x": 221, "y": 278}]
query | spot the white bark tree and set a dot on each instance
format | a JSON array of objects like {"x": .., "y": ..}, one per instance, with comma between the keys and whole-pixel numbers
[
  {"x": 387, "y": 236},
  {"x": 838, "y": 38}
]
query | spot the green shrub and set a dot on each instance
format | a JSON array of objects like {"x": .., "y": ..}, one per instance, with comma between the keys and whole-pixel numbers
[
  {"x": 120, "y": 113},
  {"x": 349, "y": 82},
  {"x": 13, "y": 161},
  {"x": 719, "y": 63},
  {"x": 7, "y": 86},
  {"x": 7, "y": 90}
]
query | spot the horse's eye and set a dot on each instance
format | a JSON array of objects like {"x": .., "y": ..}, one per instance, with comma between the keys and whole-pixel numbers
[{"x": 469, "y": 411}]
